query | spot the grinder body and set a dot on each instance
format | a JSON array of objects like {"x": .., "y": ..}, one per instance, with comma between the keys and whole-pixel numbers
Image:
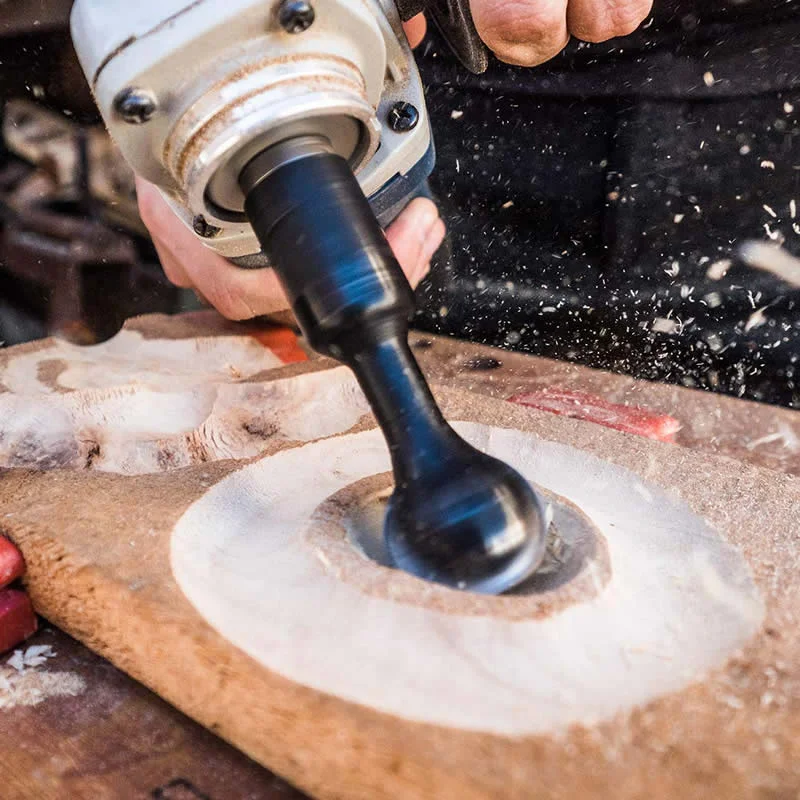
[{"x": 227, "y": 80}]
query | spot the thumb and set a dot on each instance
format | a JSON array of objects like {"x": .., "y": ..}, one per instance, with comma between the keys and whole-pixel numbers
[{"x": 415, "y": 29}]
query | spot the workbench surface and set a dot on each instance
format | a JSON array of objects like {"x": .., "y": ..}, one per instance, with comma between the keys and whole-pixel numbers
[{"x": 119, "y": 740}]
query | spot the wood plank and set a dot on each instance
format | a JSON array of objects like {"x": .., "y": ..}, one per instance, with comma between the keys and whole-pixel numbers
[{"x": 101, "y": 569}]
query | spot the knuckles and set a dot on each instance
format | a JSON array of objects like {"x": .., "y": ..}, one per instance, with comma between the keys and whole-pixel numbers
[
  {"x": 611, "y": 19},
  {"x": 530, "y": 32},
  {"x": 522, "y": 32}
]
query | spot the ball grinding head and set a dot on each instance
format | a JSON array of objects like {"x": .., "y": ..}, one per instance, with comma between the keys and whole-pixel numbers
[{"x": 479, "y": 527}]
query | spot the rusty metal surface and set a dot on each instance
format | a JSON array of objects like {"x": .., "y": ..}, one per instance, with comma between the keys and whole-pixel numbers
[
  {"x": 78, "y": 161},
  {"x": 68, "y": 248}
]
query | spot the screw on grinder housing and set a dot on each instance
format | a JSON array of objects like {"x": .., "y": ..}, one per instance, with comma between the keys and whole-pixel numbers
[{"x": 457, "y": 516}]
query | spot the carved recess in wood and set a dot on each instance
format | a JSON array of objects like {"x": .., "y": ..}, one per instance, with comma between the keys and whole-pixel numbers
[
  {"x": 261, "y": 557},
  {"x": 135, "y": 405}
]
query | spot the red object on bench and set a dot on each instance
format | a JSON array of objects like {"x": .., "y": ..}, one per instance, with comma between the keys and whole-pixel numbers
[
  {"x": 17, "y": 620},
  {"x": 590, "y": 407},
  {"x": 282, "y": 341},
  {"x": 11, "y": 564}
]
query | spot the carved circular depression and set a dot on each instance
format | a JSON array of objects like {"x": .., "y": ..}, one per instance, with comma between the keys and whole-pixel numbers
[
  {"x": 346, "y": 531},
  {"x": 253, "y": 557}
]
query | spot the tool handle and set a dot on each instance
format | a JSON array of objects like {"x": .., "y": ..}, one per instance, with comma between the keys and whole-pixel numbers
[{"x": 454, "y": 19}]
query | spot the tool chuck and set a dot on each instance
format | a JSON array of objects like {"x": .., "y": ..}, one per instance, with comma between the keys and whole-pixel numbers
[{"x": 457, "y": 516}]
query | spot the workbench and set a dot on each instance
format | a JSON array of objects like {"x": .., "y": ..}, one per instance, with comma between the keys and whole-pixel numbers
[{"x": 118, "y": 739}]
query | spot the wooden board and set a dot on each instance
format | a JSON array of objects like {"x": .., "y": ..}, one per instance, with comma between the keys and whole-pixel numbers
[
  {"x": 101, "y": 570},
  {"x": 71, "y": 747}
]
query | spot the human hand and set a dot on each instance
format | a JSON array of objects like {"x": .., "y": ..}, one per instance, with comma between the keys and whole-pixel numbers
[
  {"x": 530, "y": 32},
  {"x": 244, "y": 293}
]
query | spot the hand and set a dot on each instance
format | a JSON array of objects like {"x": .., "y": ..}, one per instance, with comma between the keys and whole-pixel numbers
[
  {"x": 530, "y": 32},
  {"x": 244, "y": 293}
]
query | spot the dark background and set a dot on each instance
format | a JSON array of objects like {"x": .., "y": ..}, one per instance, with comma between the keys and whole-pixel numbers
[{"x": 589, "y": 197}]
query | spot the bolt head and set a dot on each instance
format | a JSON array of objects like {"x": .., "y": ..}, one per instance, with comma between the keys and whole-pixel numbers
[
  {"x": 403, "y": 117},
  {"x": 204, "y": 228},
  {"x": 296, "y": 16},
  {"x": 135, "y": 106}
]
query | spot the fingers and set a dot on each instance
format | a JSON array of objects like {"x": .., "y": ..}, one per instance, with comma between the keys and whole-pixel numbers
[
  {"x": 415, "y": 29},
  {"x": 522, "y": 32},
  {"x": 241, "y": 293},
  {"x": 530, "y": 32},
  {"x": 415, "y": 236},
  {"x": 600, "y": 20},
  {"x": 236, "y": 293}
]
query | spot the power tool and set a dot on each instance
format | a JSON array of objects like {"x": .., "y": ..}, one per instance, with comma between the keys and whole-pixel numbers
[{"x": 285, "y": 133}]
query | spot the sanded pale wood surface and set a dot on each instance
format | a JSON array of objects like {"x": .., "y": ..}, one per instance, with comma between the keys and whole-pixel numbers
[{"x": 85, "y": 558}]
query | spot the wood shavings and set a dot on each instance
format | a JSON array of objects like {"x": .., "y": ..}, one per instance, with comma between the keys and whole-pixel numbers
[
  {"x": 785, "y": 435},
  {"x": 755, "y": 320},
  {"x": 767, "y": 165},
  {"x": 664, "y": 325},
  {"x": 772, "y": 259},
  {"x": 719, "y": 269},
  {"x": 21, "y": 684},
  {"x": 30, "y": 688},
  {"x": 456, "y": 114},
  {"x": 33, "y": 656}
]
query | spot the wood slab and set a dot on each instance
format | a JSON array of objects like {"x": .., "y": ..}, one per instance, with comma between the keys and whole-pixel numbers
[{"x": 97, "y": 546}]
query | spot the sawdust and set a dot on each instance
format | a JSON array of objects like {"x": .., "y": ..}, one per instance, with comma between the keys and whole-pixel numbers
[
  {"x": 773, "y": 259},
  {"x": 22, "y": 684}
]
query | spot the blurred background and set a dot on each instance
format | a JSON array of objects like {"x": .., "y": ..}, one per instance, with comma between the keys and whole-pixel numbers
[{"x": 595, "y": 205}]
